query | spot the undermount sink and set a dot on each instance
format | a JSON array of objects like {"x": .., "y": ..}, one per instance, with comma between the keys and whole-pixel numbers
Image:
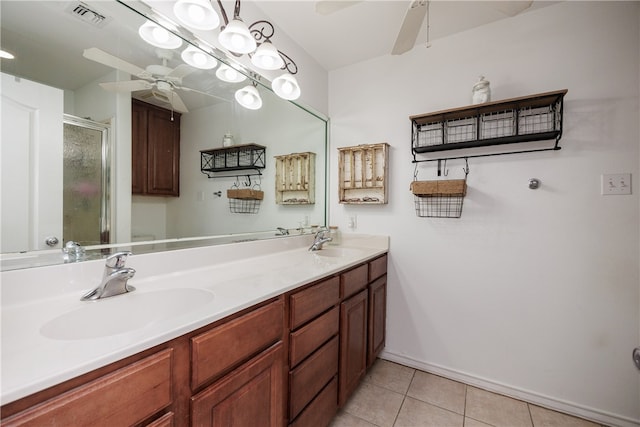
[
  {"x": 335, "y": 252},
  {"x": 124, "y": 313}
]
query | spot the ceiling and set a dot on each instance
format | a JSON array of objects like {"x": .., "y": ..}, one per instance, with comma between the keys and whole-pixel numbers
[{"x": 367, "y": 29}]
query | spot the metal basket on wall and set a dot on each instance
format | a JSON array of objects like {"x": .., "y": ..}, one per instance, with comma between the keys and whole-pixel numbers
[{"x": 439, "y": 199}]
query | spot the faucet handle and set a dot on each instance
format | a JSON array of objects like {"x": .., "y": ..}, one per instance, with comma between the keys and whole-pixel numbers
[{"x": 117, "y": 260}]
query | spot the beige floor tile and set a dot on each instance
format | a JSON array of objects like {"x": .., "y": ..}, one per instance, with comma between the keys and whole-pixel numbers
[
  {"x": 390, "y": 376},
  {"x": 470, "y": 422},
  {"x": 543, "y": 417},
  {"x": 495, "y": 409},
  {"x": 438, "y": 391},
  {"x": 416, "y": 413},
  {"x": 375, "y": 404},
  {"x": 344, "y": 419}
]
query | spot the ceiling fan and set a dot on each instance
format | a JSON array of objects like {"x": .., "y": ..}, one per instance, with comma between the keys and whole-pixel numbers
[
  {"x": 414, "y": 17},
  {"x": 158, "y": 81}
]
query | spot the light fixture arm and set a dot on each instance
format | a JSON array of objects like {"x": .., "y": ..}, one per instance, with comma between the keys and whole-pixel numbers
[{"x": 289, "y": 65}]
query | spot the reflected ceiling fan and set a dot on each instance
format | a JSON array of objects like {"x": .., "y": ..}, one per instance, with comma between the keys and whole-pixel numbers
[
  {"x": 160, "y": 81},
  {"x": 415, "y": 16}
]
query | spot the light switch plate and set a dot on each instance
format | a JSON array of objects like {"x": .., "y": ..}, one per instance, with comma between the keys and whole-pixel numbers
[{"x": 616, "y": 184}]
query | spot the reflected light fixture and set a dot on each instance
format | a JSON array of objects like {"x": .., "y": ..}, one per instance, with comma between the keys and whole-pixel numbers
[
  {"x": 286, "y": 87},
  {"x": 198, "y": 59},
  {"x": 197, "y": 14},
  {"x": 249, "y": 97},
  {"x": 158, "y": 36},
  {"x": 230, "y": 75},
  {"x": 267, "y": 57}
]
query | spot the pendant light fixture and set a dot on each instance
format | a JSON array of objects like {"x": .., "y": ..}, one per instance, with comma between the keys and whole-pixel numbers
[
  {"x": 229, "y": 75},
  {"x": 197, "y": 14},
  {"x": 236, "y": 37},
  {"x": 198, "y": 59},
  {"x": 158, "y": 36},
  {"x": 286, "y": 87},
  {"x": 249, "y": 97},
  {"x": 267, "y": 57}
]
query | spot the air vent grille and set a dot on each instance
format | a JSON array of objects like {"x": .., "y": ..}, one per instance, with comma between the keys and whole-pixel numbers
[{"x": 86, "y": 14}]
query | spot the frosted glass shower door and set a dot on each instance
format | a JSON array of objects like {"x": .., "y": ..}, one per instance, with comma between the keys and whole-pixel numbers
[{"x": 85, "y": 182}]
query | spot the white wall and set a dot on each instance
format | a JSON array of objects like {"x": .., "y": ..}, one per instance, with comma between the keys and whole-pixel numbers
[{"x": 533, "y": 293}]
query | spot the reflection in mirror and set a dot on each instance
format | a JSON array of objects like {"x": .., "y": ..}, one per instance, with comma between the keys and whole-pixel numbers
[{"x": 90, "y": 69}]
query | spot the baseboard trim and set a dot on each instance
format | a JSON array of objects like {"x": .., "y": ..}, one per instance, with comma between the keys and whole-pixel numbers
[{"x": 517, "y": 393}]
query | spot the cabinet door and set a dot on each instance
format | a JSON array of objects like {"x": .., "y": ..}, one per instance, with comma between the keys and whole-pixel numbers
[
  {"x": 353, "y": 344},
  {"x": 249, "y": 396},
  {"x": 138, "y": 148},
  {"x": 163, "y": 153},
  {"x": 377, "y": 318}
]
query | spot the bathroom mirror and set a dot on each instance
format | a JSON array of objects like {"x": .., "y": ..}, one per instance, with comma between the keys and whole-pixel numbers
[{"x": 60, "y": 47}]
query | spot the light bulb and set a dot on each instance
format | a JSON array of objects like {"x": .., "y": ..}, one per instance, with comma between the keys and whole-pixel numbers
[
  {"x": 231, "y": 74},
  {"x": 248, "y": 99},
  {"x": 237, "y": 41},
  {"x": 160, "y": 34},
  {"x": 287, "y": 88},
  {"x": 196, "y": 13},
  {"x": 199, "y": 58}
]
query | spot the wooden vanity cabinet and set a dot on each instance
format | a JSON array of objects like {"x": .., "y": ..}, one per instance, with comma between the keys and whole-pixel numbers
[
  {"x": 313, "y": 353},
  {"x": 155, "y": 150},
  {"x": 377, "y": 308},
  {"x": 127, "y": 396}
]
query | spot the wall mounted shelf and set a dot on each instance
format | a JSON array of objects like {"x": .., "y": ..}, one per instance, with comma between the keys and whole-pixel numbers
[
  {"x": 245, "y": 157},
  {"x": 296, "y": 179},
  {"x": 510, "y": 121},
  {"x": 363, "y": 174}
]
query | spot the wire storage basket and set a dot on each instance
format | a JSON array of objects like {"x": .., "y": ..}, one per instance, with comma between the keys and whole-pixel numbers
[
  {"x": 244, "y": 201},
  {"x": 439, "y": 199}
]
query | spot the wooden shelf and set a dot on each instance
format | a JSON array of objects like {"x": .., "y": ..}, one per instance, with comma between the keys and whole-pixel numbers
[
  {"x": 363, "y": 174},
  {"x": 296, "y": 179},
  {"x": 510, "y": 121}
]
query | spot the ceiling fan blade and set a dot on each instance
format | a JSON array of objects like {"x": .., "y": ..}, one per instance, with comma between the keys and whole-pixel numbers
[
  {"x": 109, "y": 60},
  {"x": 126, "y": 86},
  {"x": 180, "y": 71},
  {"x": 512, "y": 8},
  {"x": 410, "y": 27},
  {"x": 188, "y": 89},
  {"x": 176, "y": 102},
  {"x": 327, "y": 7}
]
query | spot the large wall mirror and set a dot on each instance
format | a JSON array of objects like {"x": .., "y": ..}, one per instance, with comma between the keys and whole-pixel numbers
[{"x": 67, "y": 138}]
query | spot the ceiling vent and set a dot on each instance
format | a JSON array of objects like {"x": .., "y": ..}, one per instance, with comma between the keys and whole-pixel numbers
[{"x": 85, "y": 13}]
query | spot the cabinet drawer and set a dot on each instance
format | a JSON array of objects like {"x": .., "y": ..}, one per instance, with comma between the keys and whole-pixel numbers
[
  {"x": 307, "y": 304},
  {"x": 307, "y": 339},
  {"x": 124, "y": 397},
  {"x": 321, "y": 411},
  {"x": 167, "y": 420},
  {"x": 354, "y": 280},
  {"x": 311, "y": 376},
  {"x": 377, "y": 267},
  {"x": 216, "y": 351}
]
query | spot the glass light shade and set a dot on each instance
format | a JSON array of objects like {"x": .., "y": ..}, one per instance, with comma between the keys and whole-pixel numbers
[
  {"x": 198, "y": 59},
  {"x": 267, "y": 57},
  {"x": 286, "y": 87},
  {"x": 249, "y": 97},
  {"x": 6, "y": 54},
  {"x": 158, "y": 36},
  {"x": 228, "y": 74},
  {"x": 197, "y": 14},
  {"x": 236, "y": 37}
]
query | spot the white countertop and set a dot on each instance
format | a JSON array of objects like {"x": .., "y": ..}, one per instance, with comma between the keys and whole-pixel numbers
[{"x": 237, "y": 275}]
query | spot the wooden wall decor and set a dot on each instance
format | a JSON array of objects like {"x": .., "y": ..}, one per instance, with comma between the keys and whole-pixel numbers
[
  {"x": 363, "y": 174},
  {"x": 296, "y": 179}
]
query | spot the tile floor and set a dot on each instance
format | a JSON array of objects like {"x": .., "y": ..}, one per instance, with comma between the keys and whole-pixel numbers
[{"x": 393, "y": 395}]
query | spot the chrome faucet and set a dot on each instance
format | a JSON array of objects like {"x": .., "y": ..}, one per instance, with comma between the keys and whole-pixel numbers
[
  {"x": 114, "y": 279},
  {"x": 320, "y": 239},
  {"x": 282, "y": 232}
]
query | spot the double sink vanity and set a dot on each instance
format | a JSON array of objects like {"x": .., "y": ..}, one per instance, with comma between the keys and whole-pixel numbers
[{"x": 255, "y": 333}]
